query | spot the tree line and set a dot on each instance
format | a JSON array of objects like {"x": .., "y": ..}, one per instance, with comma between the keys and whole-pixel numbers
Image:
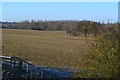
[
  {"x": 72, "y": 27},
  {"x": 41, "y": 25}
]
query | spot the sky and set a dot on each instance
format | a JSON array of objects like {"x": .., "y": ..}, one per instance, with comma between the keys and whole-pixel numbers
[
  {"x": 59, "y": 0},
  {"x": 95, "y": 11}
]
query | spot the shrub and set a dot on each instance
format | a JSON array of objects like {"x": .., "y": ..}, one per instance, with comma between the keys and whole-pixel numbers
[{"x": 105, "y": 56}]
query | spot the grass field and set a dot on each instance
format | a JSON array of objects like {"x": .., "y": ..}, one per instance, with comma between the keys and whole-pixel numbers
[{"x": 46, "y": 48}]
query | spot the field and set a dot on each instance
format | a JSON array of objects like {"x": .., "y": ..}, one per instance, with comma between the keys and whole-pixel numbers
[{"x": 46, "y": 48}]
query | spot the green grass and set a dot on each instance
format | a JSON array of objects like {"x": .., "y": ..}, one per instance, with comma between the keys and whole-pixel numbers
[{"x": 46, "y": 48}]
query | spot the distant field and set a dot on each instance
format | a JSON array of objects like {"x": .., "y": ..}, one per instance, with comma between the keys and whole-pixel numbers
[{"x": 46, "y": 48}]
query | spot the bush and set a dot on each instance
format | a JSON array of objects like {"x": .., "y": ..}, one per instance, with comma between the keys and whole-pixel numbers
[{"x": 105, "y": 56}]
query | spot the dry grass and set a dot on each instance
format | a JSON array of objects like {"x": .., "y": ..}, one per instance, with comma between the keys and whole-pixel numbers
[
  {"x": 0, "y": 41},
  {"x": 46, "y": 48}
]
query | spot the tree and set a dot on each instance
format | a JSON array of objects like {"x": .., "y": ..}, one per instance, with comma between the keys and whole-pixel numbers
[
  {"x": 82, "y": 26},
  {"x": 93, "y": 28}
]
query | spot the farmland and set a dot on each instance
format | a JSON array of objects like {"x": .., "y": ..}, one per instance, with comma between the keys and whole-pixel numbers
[{"x": 46, "y": 48}]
